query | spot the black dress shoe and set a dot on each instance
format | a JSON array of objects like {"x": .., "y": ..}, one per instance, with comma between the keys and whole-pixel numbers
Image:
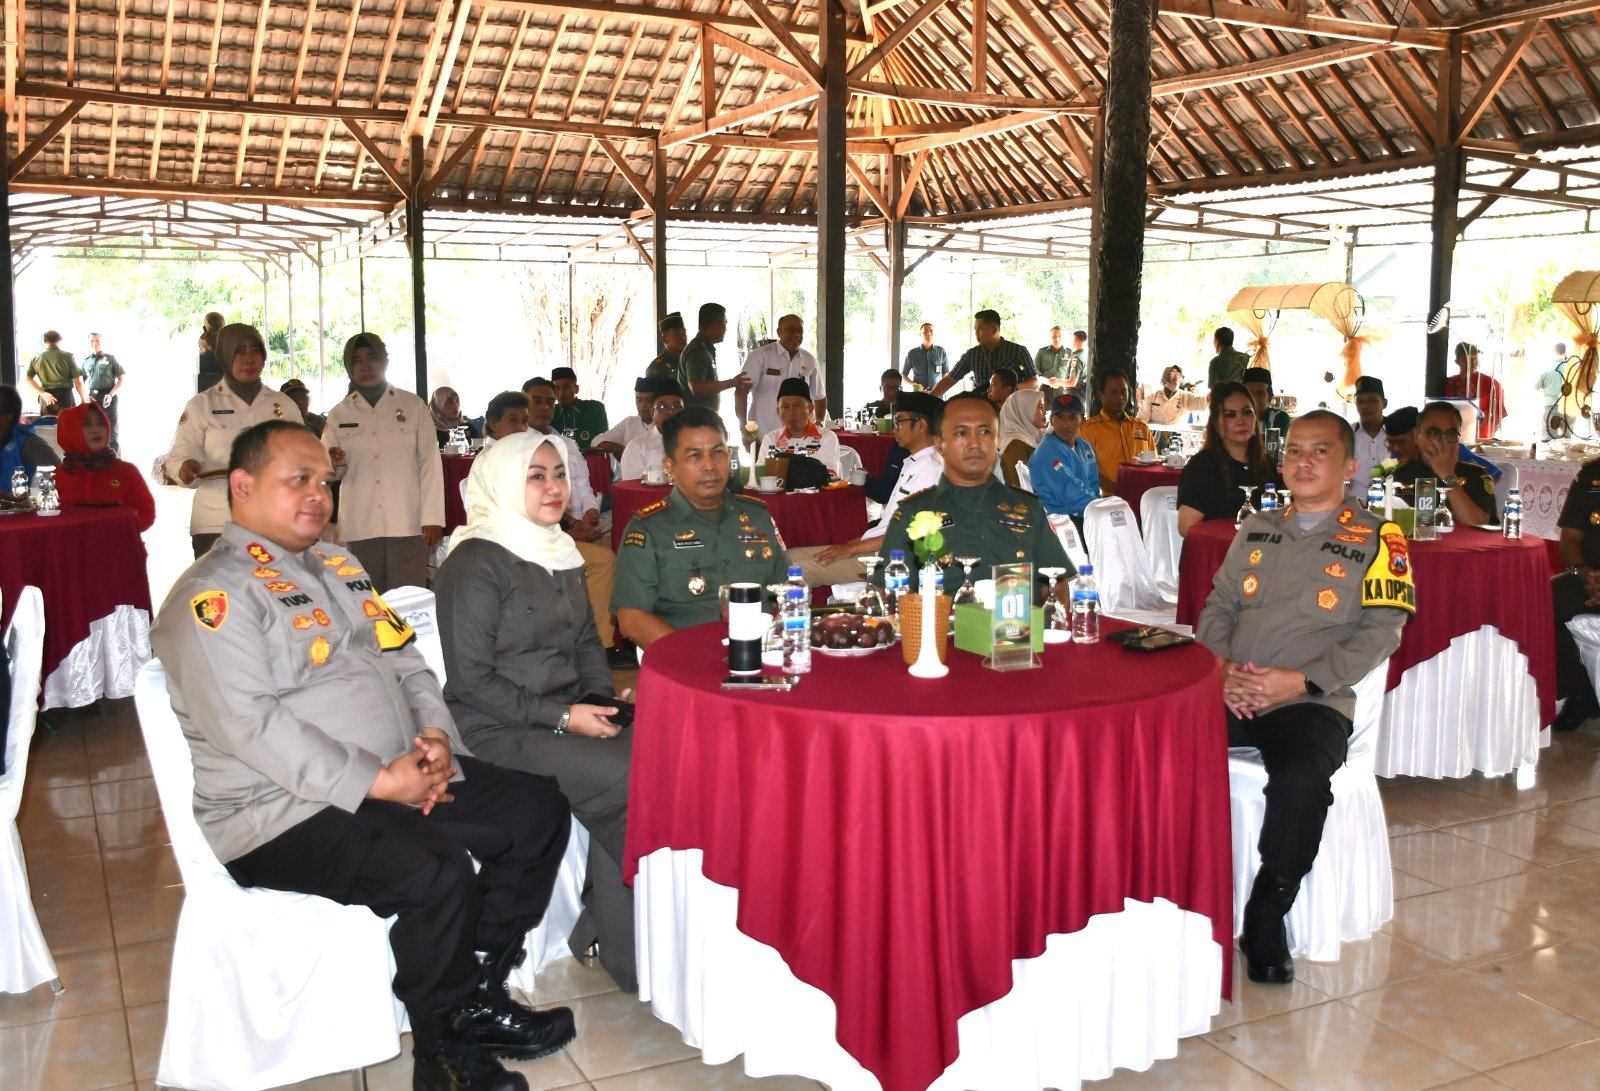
[
  {"x": 1265, "y": 939},
  {"x": 491, "y": 1020},
  {"x": 444, "y": 1060},
  {"x": 1575, "y": 713},
  {"x": 623, "y": 657}
]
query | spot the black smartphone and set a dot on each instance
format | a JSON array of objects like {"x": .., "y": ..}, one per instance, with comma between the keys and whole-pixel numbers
[
  {"x": 624, "y": 713},
  {"x": 770, "y": 683},
  {"x": 1159, "y": 641}
]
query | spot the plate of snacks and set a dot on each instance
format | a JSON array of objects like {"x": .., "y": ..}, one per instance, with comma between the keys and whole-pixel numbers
[{"x": 851, "y": 634}]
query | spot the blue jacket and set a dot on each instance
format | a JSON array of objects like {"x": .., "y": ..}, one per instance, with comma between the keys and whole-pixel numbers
[
  {"x": 11, "y": 454},
  {"x": 1064, "y": 478}
]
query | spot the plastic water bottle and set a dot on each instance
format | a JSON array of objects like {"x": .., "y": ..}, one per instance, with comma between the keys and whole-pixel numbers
[
  {"x": 1375, "y": 494},
  {"x": 1269, "y": 497},
  {"x": 896, "y": 581},
  {"x": 796, "y": 616},
  {"x": 19, "y": 483},
  {"x": 1085, "y": 607},
  {"x": 1511, "y": 518}
]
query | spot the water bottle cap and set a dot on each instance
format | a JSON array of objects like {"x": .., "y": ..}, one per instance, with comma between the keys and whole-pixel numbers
[
  {"x": 794, "y": 570},
  {"x": 1086, "y": 570},
  {"x": 897, "y": 554}
]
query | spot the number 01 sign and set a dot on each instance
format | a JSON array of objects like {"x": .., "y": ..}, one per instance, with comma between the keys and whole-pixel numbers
[{"x": 1012, "y": 646}]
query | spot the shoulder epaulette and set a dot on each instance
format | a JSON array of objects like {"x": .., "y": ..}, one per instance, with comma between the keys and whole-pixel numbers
[
  {"x": 756, "y": 500},
  {"x": 906, "y": 499},
  {"x": 650, "y": 509}
]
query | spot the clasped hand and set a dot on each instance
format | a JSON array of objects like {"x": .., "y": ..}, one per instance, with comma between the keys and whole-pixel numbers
[
  {"x": 421, "y": 776},
  {"x": 1248, "y": 688}
]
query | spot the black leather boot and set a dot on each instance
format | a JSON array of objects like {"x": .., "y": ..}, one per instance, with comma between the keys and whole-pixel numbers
[
  {"x": 501, "y": 1025},
  {"x": 1265, "y": 941},
  {"x": 444, "y": 1060}
]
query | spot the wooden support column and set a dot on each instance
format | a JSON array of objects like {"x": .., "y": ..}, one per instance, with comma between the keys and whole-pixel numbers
[
  {"x": 415, "y": 244},
  {"x": 1448, "y": 168},
  {"x": 1097, "y": 232},
  {"x": 8, "y": 303},
  {"x": 895, "y": 229},
  {"x": 831, "y": 174},
  {"x": 1120, "y": 194},
  {"x": 658, "y": 241}
]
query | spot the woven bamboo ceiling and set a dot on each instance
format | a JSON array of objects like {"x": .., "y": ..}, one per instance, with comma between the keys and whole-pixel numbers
[{"x": 960, "y": 110}]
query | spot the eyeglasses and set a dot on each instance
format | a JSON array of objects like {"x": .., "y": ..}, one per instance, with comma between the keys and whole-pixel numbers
[
  {"x": 906, "y": 420},
  {"x": 1451, "y": 434},
  {"x": 668, "y": 405}
]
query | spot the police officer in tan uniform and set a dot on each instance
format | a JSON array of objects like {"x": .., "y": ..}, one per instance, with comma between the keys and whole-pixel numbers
[
  {"x": 326, "y": 762},
  {"x": 1308, "y": 600},
  {"x": 678, "y": 552}
]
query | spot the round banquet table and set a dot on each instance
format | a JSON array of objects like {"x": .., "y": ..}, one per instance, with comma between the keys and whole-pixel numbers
[
  {"x": 873, "y": 898},
  {"x": 1134, "y": 479},
  {"x": 457, "y": 467},
  {"x": 803, "y": 518},
  {"x": 873, "y": 447},
  {"x": 1473, "y": 681},
  {"x": 89, "y": 563}
]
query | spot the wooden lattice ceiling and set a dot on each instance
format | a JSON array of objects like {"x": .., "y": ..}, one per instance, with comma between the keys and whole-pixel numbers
[{"x": 966, "y": 109}]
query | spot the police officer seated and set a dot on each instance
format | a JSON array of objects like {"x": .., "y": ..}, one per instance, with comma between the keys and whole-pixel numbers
[
  {"x": 326, "y": 763},
  {"x": 678, "y": 552},
  {"x": 1308, "y": 600},
  {"x": 983, "y": 516},
  {"x": 1438, "y": 443}
]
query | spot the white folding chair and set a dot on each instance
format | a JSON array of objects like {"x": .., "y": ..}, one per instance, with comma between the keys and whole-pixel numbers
[
  {"x": 1024, "y": 477},
  {"x": 267, "y": 988},
  {"x": 849, "y": 461},
  {"x": 24, "y": 956},
  {"x": 548, "y": 941},
  {"x": 1158, "y": 515},
  {"x": 1349, "y": 893},
  {"x": 1121, "y": 566}
]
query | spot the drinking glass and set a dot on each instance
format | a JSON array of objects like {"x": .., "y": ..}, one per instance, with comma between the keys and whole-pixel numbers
[
  {"x": 1246, "y": 510},
  {"x": 1444, "y": 520},
  {"x": 871, "y": 603},
  {"x": 966, "y": 592},
  {"x": 1055, "y": 612}
]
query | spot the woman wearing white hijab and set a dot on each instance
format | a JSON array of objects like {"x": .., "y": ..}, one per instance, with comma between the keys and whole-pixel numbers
[
  {"x": 1021, "y": 426},
  {"x": 521, "y": 648}
]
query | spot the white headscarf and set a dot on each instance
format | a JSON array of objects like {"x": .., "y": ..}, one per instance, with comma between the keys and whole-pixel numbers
[
  {"x": 497, "y": 506},
  {"x": 1016, "y": 419}
]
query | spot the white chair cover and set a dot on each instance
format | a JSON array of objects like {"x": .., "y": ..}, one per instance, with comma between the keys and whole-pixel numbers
[
  {"x": 1433, "y": 726},
  {"x": 548, "y": 940},
  {"x": 267, "y": 988},
  {"x": 1350, "y": 891},
  {"x": 1024, "y": 477},
  {"x": 1121, "y": 566},
  {"x": 1158, "y": 515},
  {"x": 1067, "y": 531},
  {"x": 849, "y": 461},
  {"x": 104, "y": 663},
  {"x": 24, "y": 956},
  {"x": 1117, "y": 994}
]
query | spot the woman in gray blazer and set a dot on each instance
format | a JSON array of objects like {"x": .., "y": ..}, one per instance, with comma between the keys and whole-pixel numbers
[{"x": 520, "y": 648}]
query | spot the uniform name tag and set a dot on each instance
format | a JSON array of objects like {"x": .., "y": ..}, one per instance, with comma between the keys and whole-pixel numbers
[
  {"x": 222, "y": 412},
  {"x": 691, "y": 543},
  {"x": 351, "y": 424}
]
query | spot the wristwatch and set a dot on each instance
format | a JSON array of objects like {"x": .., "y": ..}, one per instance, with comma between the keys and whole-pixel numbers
[
  {"x": 1572, "y": 570},
  {"x": 563, "y": 723},
  {"x": 1450, "y": 481}
]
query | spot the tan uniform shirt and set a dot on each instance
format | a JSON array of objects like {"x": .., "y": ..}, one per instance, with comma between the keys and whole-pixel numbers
[
  {"x": 393, "y": 481},
  {"x": 206, "y": 431}
]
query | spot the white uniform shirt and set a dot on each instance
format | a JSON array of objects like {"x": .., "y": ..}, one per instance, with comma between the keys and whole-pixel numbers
[
  {"x": 1164, "y": 408},
  {"x": 211, "y": 421},
  {"x": 622, "y": 434},
  {"x": 919, "y": 471},
  {"x": 393, "y": 480},
  {"x": 1370, "y": 450},
  {"x": 824, "y": 447},
  {"x": 642, "y": 453},
  {"x": 580, "y": 501},
  {"x": 768, "y": 366}
]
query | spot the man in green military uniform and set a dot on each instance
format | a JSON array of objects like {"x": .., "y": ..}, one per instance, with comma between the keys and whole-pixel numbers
[
  {"x": 103, "y": 376},
  {"x": 697, "y": 370},
  {"x": 1051, "y": 361},
  {"x": 983, "y": 516},
  {"x": 1438, "y": 438},
  {"x": 673, "y": 339},
  {"x": 1228, "y": 365},
  {"x": 678, "y": 552},
  {"x": 53, "y": 374},
  {"x": 581, "y": 418}
]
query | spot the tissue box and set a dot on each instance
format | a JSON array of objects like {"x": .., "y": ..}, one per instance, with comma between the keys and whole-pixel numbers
[{"x": 974, "y": 625}]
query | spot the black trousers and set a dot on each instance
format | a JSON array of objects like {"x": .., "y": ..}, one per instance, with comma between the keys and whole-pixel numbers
[
  {"x": 64, "y": 400},
  {"x": 1302, "y": 745},
  {"x": 99, "y": 398},
  {"x": 394, "y": 860},
  {"x": 1569, "y": 600}
]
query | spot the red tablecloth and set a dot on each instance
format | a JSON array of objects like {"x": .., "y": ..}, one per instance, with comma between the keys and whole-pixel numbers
[
  {"x": 804, "y": 519},
  {"x": 1465, "y": 580},
  {"x": 457, "y": 467},
  {"x": 85, "y": 561},
  {"x": 899, "y": 842},
  {"x": 1134, "y": 480},
  {"x": 873, "y": 447}
]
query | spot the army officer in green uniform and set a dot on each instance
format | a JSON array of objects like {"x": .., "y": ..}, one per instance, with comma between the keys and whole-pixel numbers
[
  {"x": 983, "y": 516},
  {"x": 677, "y": 552}
]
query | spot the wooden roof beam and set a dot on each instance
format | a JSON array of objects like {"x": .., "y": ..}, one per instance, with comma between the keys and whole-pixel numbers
[
  {"x": 776, "y": 26},
  {"x": 101, "y": 187},
  {"x": 1513, "y": 15},
  {"x": 1252, "y": 71},
  {"x": 968, "y": 100},
  {"x": 20, "y": 163},
  {"x": 662, "y": 15},
  {"x": 891, "y": 41},
  {"x": 1046, "y": 39},
  {"x": 743, "y": 115},
  {"x": 629, "y": 175},
  {"x": 1298, "y": 22},
  {"x": 859, "y": 173},
  {"x": 711, "y": 36},
  {"x": 388, "y": 166},
  {"x": 466, "y": 147},
  {"x": 1490, "y": 86},
  {"x": 970, "y": 132}
]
